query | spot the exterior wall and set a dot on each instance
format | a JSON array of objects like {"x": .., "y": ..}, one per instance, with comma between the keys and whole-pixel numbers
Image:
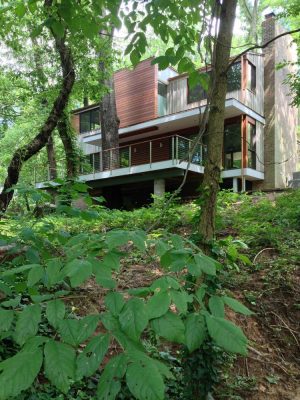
[
  {"x": 281, "y": 117},
  {"x": 136, "y": 94},
  {"x": 178, "y": 91}
]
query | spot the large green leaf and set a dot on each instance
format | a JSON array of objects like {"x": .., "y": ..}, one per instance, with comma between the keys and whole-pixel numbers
[
  {"x": 6, "y": 319},
  {"x": 236, "y": 306},
  {"x": 111, "y": 260},
  {"x": 90, "y": 359},
  {"x": 55, "y": 312},
  {"x": 145, "y": 381},
  {"x": 109, "y": 382},
  {"x": 181, "y": 299},
  {"x": 116, "y": 238},
  {"x": 170, "y": 327},
  {"x": 206, "y": 264},
  {"x": 74, "y": 332},
  {"x": 35, "y": 275},
  {"x": 133, "y": 318},
  {"x": 114, "y": 302},
  {"x": 19, "y": 270},
  {"x": 18, "y": 372},
  {"x": 216, "y": 306},
  {"x": 195, "y": 331},
  {"x": 78, "y": 271},
  {"x": 27, "y": 323},
  {"x": 158, "y": 304},
  {"x": 104, "y": 278},
  {"x": 165, "y": 283},
  {"x": 54, "y": 272},
  {"x": 226, "y": 335},
  {"x": 59, "y": 364}
]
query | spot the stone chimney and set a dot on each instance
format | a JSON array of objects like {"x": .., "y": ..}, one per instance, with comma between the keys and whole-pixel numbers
[{"x": 280, "y": 149}]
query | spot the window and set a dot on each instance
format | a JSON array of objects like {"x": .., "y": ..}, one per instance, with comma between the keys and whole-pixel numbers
[
  {"x": 234, "y": 77},
  {"x": 124, "y": 157},
  {"x": 89, "y": 120},
  {"x": 197, "y": 92},
  {"x": 251, "y": 143},
  {"x": 234, "y": 82},
  {"x": 232, "y": 146},
  {"x": 162, "y": 99},
  {"x": 251, "y": 76}
]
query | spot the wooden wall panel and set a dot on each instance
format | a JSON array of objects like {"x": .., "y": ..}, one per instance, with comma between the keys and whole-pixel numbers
[{"x": 136, "y": 94}]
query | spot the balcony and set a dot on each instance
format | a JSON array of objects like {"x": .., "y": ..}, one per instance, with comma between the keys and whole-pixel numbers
[{"x": 161, "y": 154}]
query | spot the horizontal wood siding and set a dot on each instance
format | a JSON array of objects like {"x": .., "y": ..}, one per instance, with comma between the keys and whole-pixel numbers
[{"x": 136, "y": 94}]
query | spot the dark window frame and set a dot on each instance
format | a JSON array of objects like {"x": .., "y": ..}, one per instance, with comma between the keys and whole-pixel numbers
[
  {"x": 90, "y": 122},
  {"x": 251, "y": 77}
]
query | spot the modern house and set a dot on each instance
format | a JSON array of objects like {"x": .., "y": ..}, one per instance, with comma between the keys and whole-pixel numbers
[{"x": 159, "y": 117}]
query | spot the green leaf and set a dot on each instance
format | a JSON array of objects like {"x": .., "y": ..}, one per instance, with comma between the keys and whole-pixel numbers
[
  {"x": 5, "y": 289},
  {"x": 19, "y": 270},
  {"x": 90, "y": 359},
  {"x": 236, "y": 306},
  {"x": 181, "y": 300},
  {"x": 104, "y": 278},
  {"x": 58, "y": 28},
  {"x": 158, "y": 304},
  {"x": 216, "y": 306},
  {"x": 75, "y": 331},
  {"x": 145, "y": 381},
  {"x": 206, "y": 264},
  {"x": 27, "y": 323},
  {"x": 139, "y": 239},
  {"x": 112, "y": 260},
  {"x": 59, "y": 364},
  {"x": 175, "y": 260},
  {"x": 12, "y": 302},
  {"x": 20, "y": 10},
  {"x": 165, "y": 283},
  {"x": 226, "y": 335},
  {"x": 19, "y": 372},
  {"x": 133, "y": 318},
  {"x": 55, "y": 312},
  {"x": 109, "y": 382},
  {"x": 6, "y": 319},
  {"x": 135, "y": 57},
  {"x": 35, "y": 274},
  {"x": 170, "y": 327},
  {"x": 162, "y": 61},
  {"x": 54, "y": 272},
  {"x": 195, "y": 331},
  {"x": 114, "y": 302},
  {"x": 140, "y": 292},
  {"x": 116, "y": 238},
  {"x": 78, "y": 271}
]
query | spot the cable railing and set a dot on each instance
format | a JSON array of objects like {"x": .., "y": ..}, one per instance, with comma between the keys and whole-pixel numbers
[
  {"x": 173, "y": 149},
  {"x": 170, "y": 148}
]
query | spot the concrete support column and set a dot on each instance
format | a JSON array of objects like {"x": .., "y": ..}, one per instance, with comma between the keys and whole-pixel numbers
[
  {"x": 235, "y": 185},
  {"x": 159, "y": 187}
]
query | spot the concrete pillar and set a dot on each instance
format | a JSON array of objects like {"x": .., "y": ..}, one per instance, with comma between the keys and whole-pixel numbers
[
  {"x": 159, "y": 187},
  {"x": 235, "y": 185}
]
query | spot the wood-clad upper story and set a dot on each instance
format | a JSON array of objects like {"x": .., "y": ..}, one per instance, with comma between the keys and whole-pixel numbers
[
  {"x": 239, "y": 87},
  {"x": 145, "y": 93}
]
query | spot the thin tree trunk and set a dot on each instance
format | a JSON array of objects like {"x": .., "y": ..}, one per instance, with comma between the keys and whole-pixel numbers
[
  {"x": 215, "y": 130},
  {"x": 108, "y": 114},
  {"x": 65, "y": 133},
  {"x": 51, "y": 159},
  {"x": 24, "y": 153}
]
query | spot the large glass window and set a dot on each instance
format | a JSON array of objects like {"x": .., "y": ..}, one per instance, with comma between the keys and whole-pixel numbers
[
  {"x": 234, "y": 77},
  {"x": 251, "y": 76},
  {"x": 234, "y": 82},
  {"x": 232, "y": 146},
  {"x": 162, "y": 99},
  {"x": 251, "y": 142},
  {"x": 89, "y": 120}
]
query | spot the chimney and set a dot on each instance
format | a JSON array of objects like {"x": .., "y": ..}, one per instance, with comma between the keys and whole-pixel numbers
[{"x": 280, "y": 127}]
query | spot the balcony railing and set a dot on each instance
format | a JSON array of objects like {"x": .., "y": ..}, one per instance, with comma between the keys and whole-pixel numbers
[{"x": 172, "y": 148}]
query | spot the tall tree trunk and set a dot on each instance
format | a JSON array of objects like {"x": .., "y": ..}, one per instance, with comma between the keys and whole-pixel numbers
[
  {"x": 51, "y": 159},
  {"x": 215, "y": 130},
  {"x": 108, "y": 112},
  {"x": 24, "y": 153},
  {"x": 41, "y": 84},
  {"x": 65, "y": 133}
]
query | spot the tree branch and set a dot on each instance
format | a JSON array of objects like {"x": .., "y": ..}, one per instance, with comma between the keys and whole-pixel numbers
[{"x": 260, "y": 46}]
